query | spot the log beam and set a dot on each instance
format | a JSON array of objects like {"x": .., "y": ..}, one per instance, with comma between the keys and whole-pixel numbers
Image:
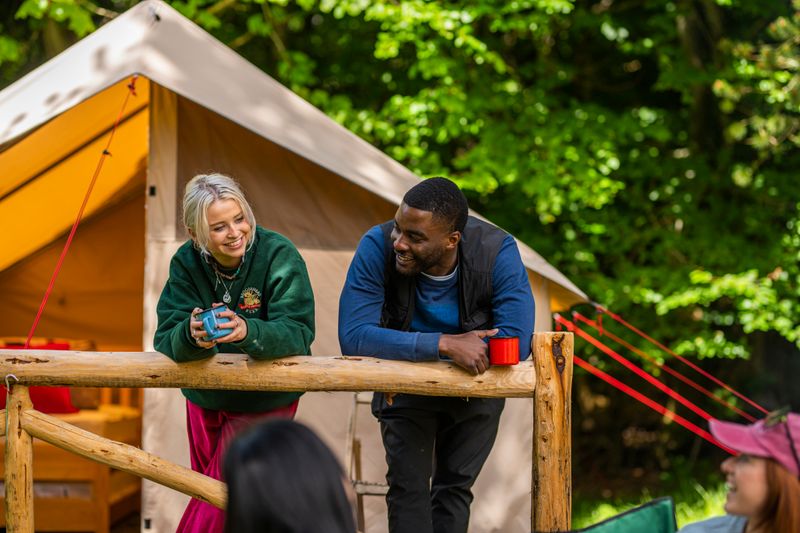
[
  {"x": 124, "y": 457},
  {"x": 239, "y": 372}
]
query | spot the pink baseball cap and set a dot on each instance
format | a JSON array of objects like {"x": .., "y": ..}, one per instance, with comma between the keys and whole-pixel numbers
[{"x": 777, "y": 437}]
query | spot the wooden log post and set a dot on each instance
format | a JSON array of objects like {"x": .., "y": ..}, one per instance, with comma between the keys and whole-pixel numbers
[
  {"x": 551, "y": 505},
  {"x": 18, "y": 464}
]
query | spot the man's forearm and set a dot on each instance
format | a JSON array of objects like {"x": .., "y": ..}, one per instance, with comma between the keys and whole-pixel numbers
[{"x": 375, "y": 341}]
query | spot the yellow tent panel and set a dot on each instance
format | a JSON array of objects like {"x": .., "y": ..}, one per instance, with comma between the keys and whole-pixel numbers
[
  {"x": 68, "y": 133},
  {"x": 42, "y": 190}
]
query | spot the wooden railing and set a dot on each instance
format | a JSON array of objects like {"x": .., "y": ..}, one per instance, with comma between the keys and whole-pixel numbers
[{"x": 547, "y": 378}]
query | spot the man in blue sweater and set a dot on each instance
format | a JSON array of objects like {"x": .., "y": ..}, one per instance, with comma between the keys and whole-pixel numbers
[{"x": 433, "y": 284}]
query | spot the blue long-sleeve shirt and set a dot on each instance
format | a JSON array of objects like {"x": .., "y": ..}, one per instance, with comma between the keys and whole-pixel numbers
[{"x": 361, "y": 304}]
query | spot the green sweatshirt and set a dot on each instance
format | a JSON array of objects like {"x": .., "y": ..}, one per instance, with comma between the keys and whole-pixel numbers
[{"x": 272, "y": 293}]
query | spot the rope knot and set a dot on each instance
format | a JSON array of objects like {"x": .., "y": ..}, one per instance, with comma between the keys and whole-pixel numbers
[{"x": 132, "y": 85}]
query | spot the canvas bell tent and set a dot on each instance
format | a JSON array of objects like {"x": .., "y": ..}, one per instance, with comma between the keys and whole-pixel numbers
[{"x": 199, "y": 107}]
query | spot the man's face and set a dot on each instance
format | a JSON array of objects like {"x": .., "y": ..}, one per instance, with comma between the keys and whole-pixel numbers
[{"x": 422, "y": 243}]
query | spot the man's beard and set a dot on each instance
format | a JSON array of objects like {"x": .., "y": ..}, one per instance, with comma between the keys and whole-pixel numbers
[{"x": 418, "y": 264}]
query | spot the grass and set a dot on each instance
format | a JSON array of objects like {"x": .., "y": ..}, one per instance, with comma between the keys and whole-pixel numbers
[{"x": 693, "y": 502}]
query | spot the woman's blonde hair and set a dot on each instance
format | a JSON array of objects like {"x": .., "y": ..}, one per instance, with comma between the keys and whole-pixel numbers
[{"x": 203, "y": 190}]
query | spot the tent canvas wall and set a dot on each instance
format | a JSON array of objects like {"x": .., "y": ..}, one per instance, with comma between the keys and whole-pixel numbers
[{"x": 306, "y": 176}]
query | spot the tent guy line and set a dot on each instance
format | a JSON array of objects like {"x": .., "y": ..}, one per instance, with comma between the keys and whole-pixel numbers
[
  {"x": 597, "y": 325},
  {"x": 616, "y": 317},
  {"x": 630, "y": 391},
  {"x": 106, "y": 153}
]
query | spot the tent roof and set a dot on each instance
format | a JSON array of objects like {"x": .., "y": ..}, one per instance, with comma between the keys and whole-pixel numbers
[{"x": 154, "y": 40}]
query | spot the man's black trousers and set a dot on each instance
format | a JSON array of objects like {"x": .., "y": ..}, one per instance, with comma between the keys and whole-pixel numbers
[{"x": 435, "y": 449}]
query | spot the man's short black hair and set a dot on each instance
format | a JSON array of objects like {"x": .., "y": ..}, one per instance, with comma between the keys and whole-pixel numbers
[{"x": 441, "y": 197}]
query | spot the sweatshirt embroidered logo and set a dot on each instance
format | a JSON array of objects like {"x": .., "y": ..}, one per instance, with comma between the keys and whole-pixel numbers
[{"x": 251, "y": 300}]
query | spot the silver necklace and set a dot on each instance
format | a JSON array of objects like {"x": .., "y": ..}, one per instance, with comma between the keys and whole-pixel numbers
[
  {"x": 219, "y": 275},
  {"x": 227, "y": 296}
]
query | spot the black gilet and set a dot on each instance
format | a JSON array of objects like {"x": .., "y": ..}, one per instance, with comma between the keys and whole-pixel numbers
[{"x": 477, "y": 251}]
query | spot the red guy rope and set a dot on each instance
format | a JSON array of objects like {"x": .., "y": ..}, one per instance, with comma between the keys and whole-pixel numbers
[
  {"x": 645, "y": 400},
  {"x": 650, "y": 403},
  {"x": 603, "y": 332},
  {"x": 679, "y": 358},
  {"x": 131, "y": 91},
  {"x": 635, "y": 369}
]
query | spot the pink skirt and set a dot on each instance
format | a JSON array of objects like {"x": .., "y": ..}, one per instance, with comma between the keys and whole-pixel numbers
[{"x": 210, "y": 431}]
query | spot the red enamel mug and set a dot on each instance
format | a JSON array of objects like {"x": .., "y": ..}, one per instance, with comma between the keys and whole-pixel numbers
[{"x": 504, "y": 350}]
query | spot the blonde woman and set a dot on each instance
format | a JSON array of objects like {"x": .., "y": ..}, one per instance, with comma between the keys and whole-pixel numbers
[{"x": 258, "y": 277}]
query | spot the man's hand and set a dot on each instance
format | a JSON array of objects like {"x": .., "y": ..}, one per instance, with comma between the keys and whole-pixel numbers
[{"x": 468, "y": 350}]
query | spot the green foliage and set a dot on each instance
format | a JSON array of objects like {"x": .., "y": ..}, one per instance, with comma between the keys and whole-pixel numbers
[
  {"x": 9, "y": 50},
  {"x": 693, "y": 503},
  {"x": 72, "y": 13},
  {"x": 698, "y": 491},
  {"x": 761, "y": 101},
  {"x": 707, "y": 504}
]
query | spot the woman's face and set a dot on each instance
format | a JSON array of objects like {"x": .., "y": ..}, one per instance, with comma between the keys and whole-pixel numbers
[
  {"x": 746, "y": 479},
  {"x": 228, "y": 230}
]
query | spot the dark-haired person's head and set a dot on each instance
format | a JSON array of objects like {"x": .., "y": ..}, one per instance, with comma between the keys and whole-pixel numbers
[
  {"x": 441, "y": 197},
  {"x": 428, "y": 227},
  {"x": 283, "y": 479}
]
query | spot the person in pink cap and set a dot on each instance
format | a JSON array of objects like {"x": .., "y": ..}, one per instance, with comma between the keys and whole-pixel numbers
[{"x": 763, "y": 479}]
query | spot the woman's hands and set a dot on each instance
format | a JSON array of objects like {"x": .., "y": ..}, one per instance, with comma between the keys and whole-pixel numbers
[
  {"x": 236, "y": 324},
  {"x": 197, "y": 331}
]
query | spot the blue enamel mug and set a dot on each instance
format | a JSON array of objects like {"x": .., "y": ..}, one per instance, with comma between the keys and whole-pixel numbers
[{"x": 211, "y": 323}]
